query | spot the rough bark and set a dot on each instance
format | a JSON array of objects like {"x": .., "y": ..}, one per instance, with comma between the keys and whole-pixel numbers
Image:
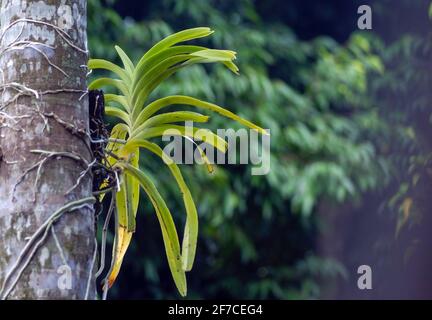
[{"x": 44, "y": 58}]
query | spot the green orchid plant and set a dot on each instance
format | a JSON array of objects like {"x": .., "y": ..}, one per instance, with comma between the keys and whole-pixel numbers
[{"x": 139, "y": 122}]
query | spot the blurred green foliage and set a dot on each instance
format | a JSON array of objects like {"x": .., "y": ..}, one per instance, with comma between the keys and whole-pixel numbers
[
  {"x": 318, "y": 98},
  {"x": 403, "y": 99}
]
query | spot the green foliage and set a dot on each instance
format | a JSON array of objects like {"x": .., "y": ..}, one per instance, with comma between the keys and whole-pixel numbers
[
  {"x": 298, "y": 90},
  {"x": 139, "y": 124},
  {"x": 330, "y": 142},
  {"x": 404, "y": 135}
]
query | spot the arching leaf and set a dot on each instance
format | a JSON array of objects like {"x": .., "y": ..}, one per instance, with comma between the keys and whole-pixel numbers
[{"x": 166, "y": 222}]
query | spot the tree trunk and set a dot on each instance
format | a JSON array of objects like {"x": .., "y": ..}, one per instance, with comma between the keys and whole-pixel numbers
[{"x": 44, "y": 116}]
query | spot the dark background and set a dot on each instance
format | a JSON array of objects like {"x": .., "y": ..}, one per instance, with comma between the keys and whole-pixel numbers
[{"x": 349, "y": 113}]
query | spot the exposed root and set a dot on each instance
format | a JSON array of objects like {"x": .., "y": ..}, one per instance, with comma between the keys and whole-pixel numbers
[
  {"x": 5, "y": 119},
  {"x": 22, "y": 45},
  {"x": 82, "y": 175},
  {"x": 105, "y": 281},
  {"x": 7, "y": 125},
  {"x": 21, "y": 90},
  {"x": 11, "y": 162},
  {"x": 35, "y": 242},
  {"x": 63, "y": 34},
  {"x": 59, "y": 246},
  {"x": 64, "y": 90},
  {"x": 39, "y": 165},
  {"x": 4, "y": 115},
  {"x": 104, "y": 235},
  {"x": 90, "y": 276},
  {"x": 18, "y": 90},
  {"x": 72, "y": 128}
]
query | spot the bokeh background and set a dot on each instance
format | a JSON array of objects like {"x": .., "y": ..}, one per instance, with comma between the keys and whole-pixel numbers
[{"x": 350, "y": 117}]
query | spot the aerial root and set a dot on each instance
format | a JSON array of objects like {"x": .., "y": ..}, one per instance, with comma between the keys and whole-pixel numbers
[
  {"x": 35, "y": 242},
  {"x": 82, "y": 175},
  {"x": 47, "y": 155},
  {"x": 63, "y": 34}
]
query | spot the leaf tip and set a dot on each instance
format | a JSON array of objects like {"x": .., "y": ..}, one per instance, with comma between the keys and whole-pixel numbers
[{"x": 265, "y": 132}]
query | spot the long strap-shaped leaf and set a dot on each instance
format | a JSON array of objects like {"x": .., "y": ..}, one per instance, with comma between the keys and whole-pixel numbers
[
  {"x": 122, "y": 100},
  {"x": 215, "y": 54},
  {"x": 130, "y": 192},
  {"x": 119, "y": 131},
  {"x": 107, "y": 65},
  {"x": 192, "y": 132},
  {"x": 136, "y": 83},
  {"x": 184, "y": 35},
  {"x": 118, "y": 113},
  {"x": 169, "y": 232},
  {"x": 121, "y": 244},
  {"x": 171, "y": 117},
  {"x": 125, "y": 225},
  {"x": 123, "y": 235},
  {"x": 127, "y": 198},
  {"x": 155, "y": 106},
  {"x": 145, "y": 85},
  {"x": 190, "y": 235},
  {"x": 152, "y": 86},
  {"x": 127, "y": 63},
  {"x": 153, "y": 73},
  {"x": 102, "y": 82},
  {"x": 149, "y": 63},
  {"x": 195, "y": 56}
]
